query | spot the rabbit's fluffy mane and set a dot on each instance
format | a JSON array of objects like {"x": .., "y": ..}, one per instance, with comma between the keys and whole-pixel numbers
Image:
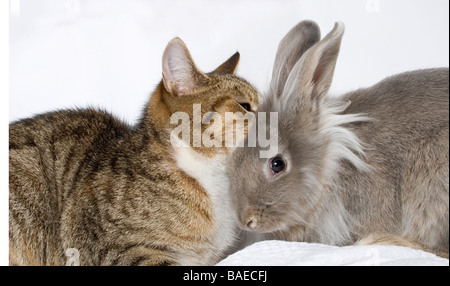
[
  {"x": 344, "y": 145},
  {"x": 343, "y": 142}
]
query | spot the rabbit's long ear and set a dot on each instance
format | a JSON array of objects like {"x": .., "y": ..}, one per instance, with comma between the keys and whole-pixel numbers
[
  {"x": 296, "y": 42},
  {"x": 312, "y": 75},
  {"x": 180, "y": 75}
]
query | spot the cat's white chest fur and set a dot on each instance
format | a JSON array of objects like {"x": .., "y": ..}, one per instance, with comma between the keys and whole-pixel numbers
[{"x": 211, "y": 174}]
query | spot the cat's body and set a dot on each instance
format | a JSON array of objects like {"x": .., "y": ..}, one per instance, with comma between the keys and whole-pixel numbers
[
  {"x": 50, "y": 155},
  {"x": 122, "y": 195}
]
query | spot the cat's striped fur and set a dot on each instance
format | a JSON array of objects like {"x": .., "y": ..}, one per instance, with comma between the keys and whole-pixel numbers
[{"x": 119, "y": 194}]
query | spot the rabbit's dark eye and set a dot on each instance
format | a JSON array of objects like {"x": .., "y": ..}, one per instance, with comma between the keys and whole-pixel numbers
[
  {"x": 277, "y": 165},
  {"x": 246, "y": 106}
]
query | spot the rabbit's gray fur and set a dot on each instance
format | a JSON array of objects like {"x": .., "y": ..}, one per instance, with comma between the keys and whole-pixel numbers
[{"x": 371, "y": 161}]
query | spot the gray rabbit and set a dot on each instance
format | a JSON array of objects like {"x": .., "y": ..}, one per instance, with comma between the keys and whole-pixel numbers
[{"x": 368, "y": 167}]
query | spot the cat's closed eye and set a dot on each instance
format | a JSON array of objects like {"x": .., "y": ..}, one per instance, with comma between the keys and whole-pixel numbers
[{"x": 246, "y": 106}]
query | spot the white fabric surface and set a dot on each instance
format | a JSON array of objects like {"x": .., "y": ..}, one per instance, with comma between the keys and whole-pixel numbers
[{"x": 284, "y": 253}]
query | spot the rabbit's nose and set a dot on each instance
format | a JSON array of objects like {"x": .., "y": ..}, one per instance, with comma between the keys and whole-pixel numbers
[{"x": 252, "y": 223}]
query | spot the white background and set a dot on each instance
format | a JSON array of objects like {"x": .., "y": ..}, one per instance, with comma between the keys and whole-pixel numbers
[{"x": 107, "y": 53}]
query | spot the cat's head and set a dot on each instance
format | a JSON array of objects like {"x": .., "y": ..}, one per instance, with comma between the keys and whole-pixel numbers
[{"x": 200, "y": 109}]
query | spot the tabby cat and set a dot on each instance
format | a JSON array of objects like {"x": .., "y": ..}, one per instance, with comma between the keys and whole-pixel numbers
[{"x": 89, "y": 189}]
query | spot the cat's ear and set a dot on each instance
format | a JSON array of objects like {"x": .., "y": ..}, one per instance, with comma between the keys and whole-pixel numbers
[
  {"x": 180, "y": 75},
  {"x": 229, "y": 66}
]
